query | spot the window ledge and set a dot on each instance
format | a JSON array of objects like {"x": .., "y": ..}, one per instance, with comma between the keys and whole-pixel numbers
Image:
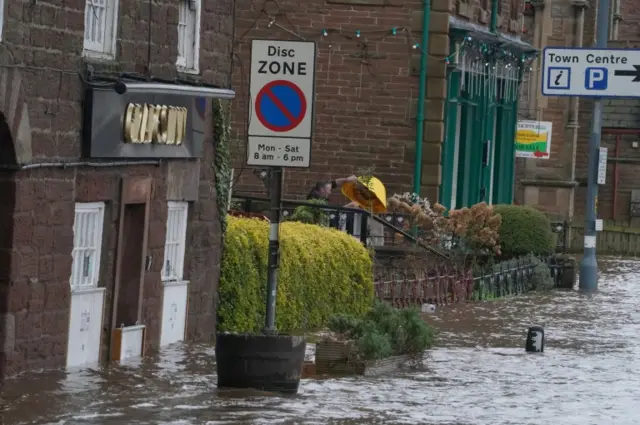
[
  {"x": 175, "y": 283},
  {"x": 87, "y": 289},
  {"x": 90, "y": 54},
  {"x": 190, "y": 71}
]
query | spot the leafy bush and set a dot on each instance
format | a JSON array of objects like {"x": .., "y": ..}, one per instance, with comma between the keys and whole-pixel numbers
[
  {"x": 385, "y": 331},
  {"x": 310, "y": 215},
  {"x": 322, "y": 272},
  {"x": 540, "y": 279},
  {"x": 524, "y": 230},
  {"x": 475, "y": 229},
  {"x": 464, "y": 232}
]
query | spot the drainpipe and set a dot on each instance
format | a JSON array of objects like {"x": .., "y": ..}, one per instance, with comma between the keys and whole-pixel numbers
[
  {"x": 615, "y": 20},
  {"x": 574, "y": 106},
  {"x": 422, "y": 93},
  {"x": 493, "y": 26}
]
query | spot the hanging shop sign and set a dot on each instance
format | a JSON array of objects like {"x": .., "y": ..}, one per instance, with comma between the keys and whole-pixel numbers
[
  {"x": 160, "y": 124},
  {"x": 141, "y": 125},
  {"x": 533, "y": 139}
]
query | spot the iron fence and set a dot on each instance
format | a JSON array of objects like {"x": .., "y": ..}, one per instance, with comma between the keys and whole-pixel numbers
[
  {"x": 402, "y": 288},
  {"x": 405, "y": 288}
]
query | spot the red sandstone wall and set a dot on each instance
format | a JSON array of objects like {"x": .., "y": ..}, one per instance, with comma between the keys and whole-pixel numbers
[
  {"x": 365, "y": 112},
  {"x": 36, "y": 236}
]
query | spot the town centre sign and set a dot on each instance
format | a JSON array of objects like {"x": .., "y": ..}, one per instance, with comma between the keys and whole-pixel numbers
[{"x": 591, "y": 72}]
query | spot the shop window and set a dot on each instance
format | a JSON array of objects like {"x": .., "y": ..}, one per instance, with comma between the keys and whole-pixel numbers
[
  {"x": 174, "y": 246},
  {"x": 188, "y": 35},
  {"x": 100, "y": 28},
  {"x": 88, "y": 226}
]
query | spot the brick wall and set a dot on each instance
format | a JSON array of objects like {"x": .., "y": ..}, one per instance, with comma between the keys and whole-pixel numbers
[
  {"x": 365, "y": 103},
  {"x": 558, "y": 29},
  {"x": 365, "y": 112},
  {"x": 618, "y": 113},
  {"x": 45, "y": 43}
]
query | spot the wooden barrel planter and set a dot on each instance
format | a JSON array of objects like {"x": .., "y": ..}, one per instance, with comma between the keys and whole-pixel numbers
[
  {"x": 264, "y": 362},
  {"x": 337, "y": 358}
]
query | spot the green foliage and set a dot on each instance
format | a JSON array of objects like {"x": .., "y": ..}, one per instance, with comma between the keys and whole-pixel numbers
[
  {"x": 540, "y": 279},
  {"x": 524, "y": 230},
  {"x": 323, "y": 272},
  {"x": 310, "y": 215},
  {"x": 222, "y": 162},
  {"x": 385, "y": 331}
]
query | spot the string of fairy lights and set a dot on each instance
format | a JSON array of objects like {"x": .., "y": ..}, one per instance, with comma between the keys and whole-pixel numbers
[{"x": 474, "y": 49}]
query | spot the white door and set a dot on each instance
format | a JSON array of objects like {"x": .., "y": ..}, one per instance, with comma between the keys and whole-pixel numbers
[
  {"x": 174, "y": 312},
  {"x": 87, "y": 299},
  {"x": 85, "y": 326},
  {"x": 176, "y": 289}
]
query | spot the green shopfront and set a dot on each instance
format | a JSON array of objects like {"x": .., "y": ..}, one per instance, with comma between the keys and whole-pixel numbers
[{"x": 483, "y": 86}]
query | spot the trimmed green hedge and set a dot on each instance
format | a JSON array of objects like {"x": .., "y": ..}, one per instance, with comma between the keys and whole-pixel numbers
[
  {"x": 524, "y": 230},
  {"x": 322, "y": 272}
]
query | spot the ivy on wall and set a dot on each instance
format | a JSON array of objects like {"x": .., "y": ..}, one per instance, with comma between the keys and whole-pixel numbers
[{"x": 222, "y": 158}]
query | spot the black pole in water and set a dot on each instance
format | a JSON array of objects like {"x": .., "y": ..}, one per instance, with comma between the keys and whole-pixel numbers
[
  {"x": 535, "y": 340},
  {"x": 275, "y": 196}
]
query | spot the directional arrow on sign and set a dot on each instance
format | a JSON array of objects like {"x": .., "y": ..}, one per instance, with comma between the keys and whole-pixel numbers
[{"x": 629, "y": 73}]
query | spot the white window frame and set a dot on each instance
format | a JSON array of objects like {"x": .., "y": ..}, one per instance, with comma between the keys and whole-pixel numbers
[
  {"x": 107, "y": 48},
  {"x": 184, "y": 29},
  {"x": 83, "y": 275},
  {"x": 175, "y": 241},
  {"x": 3, "y": 4}
]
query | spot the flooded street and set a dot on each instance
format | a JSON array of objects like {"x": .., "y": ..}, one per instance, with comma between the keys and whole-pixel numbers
[{"x": 477, "y": 375}]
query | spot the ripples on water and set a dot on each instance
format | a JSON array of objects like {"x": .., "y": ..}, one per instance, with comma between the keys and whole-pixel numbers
[{"x": 478, "y": 375}]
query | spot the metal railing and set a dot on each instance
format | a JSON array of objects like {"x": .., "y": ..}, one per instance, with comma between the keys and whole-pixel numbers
[
  {"x": 372, "y": 230},
  {"x": 402, "y": 288},
  {"x": 406, "y": 288}
]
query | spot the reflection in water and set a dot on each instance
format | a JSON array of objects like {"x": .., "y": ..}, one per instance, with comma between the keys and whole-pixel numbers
[{"x": 479, "y": 374}]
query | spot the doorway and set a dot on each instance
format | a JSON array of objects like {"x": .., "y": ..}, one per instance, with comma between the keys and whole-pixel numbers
[
  {"x": 128, "y": 329},
  {"x": 130, "y": 293}
]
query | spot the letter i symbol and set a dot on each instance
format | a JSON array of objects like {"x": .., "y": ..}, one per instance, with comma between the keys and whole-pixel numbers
[{"x": 558, "y": 77}]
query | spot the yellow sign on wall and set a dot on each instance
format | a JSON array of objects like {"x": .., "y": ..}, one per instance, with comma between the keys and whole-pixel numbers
[
  {"x": 533, "y": 139},
  {"x": 161, "y": 124}
]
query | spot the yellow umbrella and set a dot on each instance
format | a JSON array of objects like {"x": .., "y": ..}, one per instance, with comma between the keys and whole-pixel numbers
[{"x": 368, "y": 192}]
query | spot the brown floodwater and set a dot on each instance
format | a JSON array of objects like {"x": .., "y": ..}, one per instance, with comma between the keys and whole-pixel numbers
[{"x": 478, "y": 375}]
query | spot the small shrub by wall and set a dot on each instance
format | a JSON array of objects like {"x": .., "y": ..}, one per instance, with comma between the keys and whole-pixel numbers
[
  {"x": 524, "y": 230},
  {"x": 322, "y": 272}
]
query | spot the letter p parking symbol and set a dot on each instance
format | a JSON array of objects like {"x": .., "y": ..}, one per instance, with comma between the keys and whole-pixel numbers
[{"x": 596, "y": 78}]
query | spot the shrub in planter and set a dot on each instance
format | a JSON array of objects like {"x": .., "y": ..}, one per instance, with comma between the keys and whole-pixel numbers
[
  {"x": 524, "y": 230},
  {"x": 322, "y": 272},
  {"x": 384, "y": 331}
]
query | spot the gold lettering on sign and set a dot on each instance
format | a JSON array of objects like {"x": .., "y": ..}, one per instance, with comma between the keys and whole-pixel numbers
[{"x": 161, "y": 124}]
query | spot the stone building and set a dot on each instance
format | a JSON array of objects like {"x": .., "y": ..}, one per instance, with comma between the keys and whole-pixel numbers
[
  {"x": 367, "y": 92},
  {"x": 558, "y": 184},
  {"x": 108, "y": 219}
]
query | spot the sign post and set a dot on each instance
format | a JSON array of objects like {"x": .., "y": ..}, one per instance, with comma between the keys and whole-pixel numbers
[
  {"x": 282, "y": 95},
  {"x": 596, "y": 73}
]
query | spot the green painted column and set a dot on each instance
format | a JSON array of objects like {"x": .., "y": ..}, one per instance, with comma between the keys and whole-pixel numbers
[{"x": 450, "y": 154}]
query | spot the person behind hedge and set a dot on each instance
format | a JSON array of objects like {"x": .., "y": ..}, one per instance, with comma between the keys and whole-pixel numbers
[{"x": 322, "y": 189}]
